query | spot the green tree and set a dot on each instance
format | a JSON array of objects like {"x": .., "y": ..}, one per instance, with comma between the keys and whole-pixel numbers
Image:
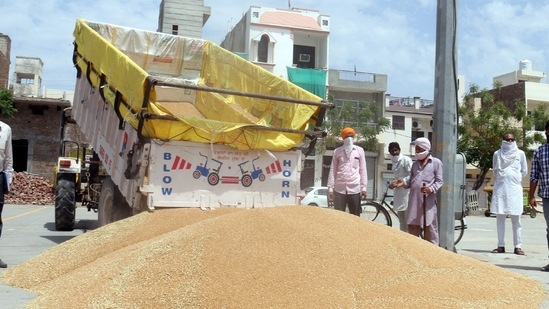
[
  {"x": 482, "y": 126},
  {"x": 6, "y": 103},
  {"x": 535, "y": 120},
  {"x": 364, "y": 117}
]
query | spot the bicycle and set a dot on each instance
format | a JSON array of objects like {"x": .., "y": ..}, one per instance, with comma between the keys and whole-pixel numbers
[
  {"x": 380, "y": 212},
  {"x": 377, "y": 211}
]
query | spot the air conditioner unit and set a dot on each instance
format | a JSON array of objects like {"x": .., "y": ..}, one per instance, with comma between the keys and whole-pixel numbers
[
  {"x": 416, "y": 125},
  {"x": 304, "y": 57}
]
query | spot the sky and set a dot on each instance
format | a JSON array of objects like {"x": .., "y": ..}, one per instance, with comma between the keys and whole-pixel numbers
[{"x": 395, "y": 38}]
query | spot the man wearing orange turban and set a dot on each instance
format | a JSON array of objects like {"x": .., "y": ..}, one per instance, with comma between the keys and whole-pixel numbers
[{"x": 348, "y": 178}]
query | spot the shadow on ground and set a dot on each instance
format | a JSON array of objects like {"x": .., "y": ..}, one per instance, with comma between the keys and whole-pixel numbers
[{"x": 83, "y": 225}]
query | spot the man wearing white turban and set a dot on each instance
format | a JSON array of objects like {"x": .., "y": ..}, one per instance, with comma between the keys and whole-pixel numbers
[
  {"x": 424, "y": 181},
  {"x": 509, "y": 166}
]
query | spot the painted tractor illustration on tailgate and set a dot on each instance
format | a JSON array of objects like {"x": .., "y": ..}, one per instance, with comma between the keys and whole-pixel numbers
[
  {"x": 247, "y": 176},
  {"x": 203, "y": 170}
]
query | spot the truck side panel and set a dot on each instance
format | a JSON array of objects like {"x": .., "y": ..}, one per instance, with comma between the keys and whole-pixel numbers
[
  {"x": 100, "y": 124},
  {"x": 201, "y": 175},
  {"x": 181, "y": 173}
]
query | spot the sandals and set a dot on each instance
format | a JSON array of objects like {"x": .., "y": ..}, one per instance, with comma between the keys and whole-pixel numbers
[
  {"x": 518, "y": 251},
  {"x": 500, "y": 250}
]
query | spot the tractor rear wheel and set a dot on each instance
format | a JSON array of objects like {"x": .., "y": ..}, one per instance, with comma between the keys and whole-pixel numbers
[
  {"x": 112, "y": 205},
  {"x": 65, "y": 202}
]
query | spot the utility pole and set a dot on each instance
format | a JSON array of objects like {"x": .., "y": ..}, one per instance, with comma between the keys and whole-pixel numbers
[{"x": 445, "y": 115}]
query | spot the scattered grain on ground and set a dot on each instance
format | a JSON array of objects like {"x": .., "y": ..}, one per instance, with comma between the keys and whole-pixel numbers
[{"x": 281, "y": 257}]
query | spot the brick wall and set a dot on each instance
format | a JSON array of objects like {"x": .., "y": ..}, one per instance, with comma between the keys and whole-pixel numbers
[
  {"x": 510, "y": 94},
  {"x": 4, "y": 71},
  {"x": 5, "y": 47},
  {"x": 41, "y": 132}
]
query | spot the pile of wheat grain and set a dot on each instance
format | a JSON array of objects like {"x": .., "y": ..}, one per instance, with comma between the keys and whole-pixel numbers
[{"x": 282, "y": 257}]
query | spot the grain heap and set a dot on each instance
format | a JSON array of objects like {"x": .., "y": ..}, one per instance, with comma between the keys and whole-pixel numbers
[{"x": 281, "y": 257}]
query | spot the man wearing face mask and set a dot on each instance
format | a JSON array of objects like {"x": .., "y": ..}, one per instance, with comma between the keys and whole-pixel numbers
[
  {"x": 539, "y": 179},
  {"x": 402, "y": 165},
  {"x": 348, "y": 179},
  {"x": 424, "y": 181},
  {"x": 509, "y": 166}
]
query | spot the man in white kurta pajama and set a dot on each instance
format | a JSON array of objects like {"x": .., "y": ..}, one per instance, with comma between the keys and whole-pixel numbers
[{"x": 509, "y": 166}]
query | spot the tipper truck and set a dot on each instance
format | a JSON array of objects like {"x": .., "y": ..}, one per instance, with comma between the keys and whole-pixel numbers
[{"x": 180, "y": 122}]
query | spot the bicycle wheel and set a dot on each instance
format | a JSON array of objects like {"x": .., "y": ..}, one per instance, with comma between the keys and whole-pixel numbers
[
  {"x": 375, "y": 212},
  {"x": 459, "y": 230}
]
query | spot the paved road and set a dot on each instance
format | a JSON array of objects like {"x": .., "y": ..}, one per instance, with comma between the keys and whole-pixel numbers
[
  {"x": 29, "y": 230},
  {"x": 480, "y": 239}
]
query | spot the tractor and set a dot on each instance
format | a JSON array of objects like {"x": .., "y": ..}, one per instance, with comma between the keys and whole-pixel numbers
[{"x": 77, "y": 177}]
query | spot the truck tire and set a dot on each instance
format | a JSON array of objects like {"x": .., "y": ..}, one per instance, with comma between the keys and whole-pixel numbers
[
  {"x": 65, "y": 202},
  {"x": 112, "y": 205}
]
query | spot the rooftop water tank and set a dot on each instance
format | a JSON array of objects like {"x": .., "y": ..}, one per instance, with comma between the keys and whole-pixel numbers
[{"x": 525, "y": 65}]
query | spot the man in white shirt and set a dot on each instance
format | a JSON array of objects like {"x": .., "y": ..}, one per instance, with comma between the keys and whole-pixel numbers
[
  {"x": 6, "y": 162},
  {"x": 402, "y": 165}
]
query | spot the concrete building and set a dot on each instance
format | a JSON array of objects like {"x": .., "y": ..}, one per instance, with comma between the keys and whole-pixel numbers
[
  {"x": 5, "y": 50},
  {"x": 183, "y": 17},
  {"x": 523, "y": 85},
  {"x": 28, "y": 77},
  {"x": 278, "y": 39}
]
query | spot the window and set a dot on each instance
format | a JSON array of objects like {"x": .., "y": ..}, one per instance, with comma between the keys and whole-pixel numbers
[
  {"x": 25, "y": 78},
  {"x": 417, "y": 134},
  {"x": 398, "y": 123},
  {"x": 175, "y": 29},
  {"x": 26, "y": 81},
  {"x": 38, "y": 109},
  {"x": 263, "y": 49}
]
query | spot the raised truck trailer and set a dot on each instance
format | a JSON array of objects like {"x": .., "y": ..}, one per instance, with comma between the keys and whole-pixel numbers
[{"x": 181, "y": 122}]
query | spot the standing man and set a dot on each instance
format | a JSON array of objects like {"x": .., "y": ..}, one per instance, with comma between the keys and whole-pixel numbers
[
  {"x": 424, "y": 181},
  {"x": 348, "y": 178},
  {"x": 6, "y": 162},
  {"x": 539, "y": 178},
  {"x": 509, "y": 166},
  {"x": 402, "y": 165}
]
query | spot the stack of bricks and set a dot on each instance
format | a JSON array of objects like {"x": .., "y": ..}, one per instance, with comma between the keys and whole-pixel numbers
[{"x": 30, "y": 189}]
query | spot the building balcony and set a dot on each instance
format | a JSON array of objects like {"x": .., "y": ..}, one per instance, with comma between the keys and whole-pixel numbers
[{"x": 341, "y": 80}]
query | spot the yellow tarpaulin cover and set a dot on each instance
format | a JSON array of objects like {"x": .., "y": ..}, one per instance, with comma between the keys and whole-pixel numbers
[{"x": 121, "y": 59}]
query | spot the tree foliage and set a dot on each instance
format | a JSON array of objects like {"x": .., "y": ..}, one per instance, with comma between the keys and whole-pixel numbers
[
  {"x": 6, "y": 103},
  {"x": 364, "y": 117},
  {"x": 482, "y": 127}
]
